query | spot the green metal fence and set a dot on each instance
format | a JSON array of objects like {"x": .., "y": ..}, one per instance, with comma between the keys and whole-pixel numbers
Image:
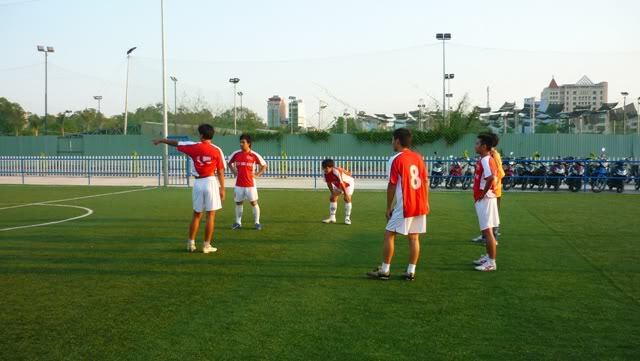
[{"x": 337, "y": 145}]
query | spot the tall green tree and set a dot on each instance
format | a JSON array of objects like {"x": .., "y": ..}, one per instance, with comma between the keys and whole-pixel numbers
[{"x": 12, "y": 117}]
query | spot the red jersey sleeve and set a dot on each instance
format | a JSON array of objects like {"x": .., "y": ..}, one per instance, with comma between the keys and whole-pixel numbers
[
  {"x": 394, "y": 171},
  {"x": 187, "y": 148}
]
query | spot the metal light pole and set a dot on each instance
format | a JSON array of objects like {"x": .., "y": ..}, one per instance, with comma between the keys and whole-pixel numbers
[
  {"x": 444, "y": 37},
  {"x": 235, "y": 82},
  {"x": 126, "y": 92},
  {"x": 345, "y": 115},
  {"x": 321, "y": 108},
  {"x": 175, "y": 94},
  {"x": 240, "y": 94},
  {"x": 448, "y": 77},
  {"x": 99, "y": 99},
  {"x": 165, "y": 111},
  {"x": 46, "y": 50},
  {"x": 624, "y": 112}
]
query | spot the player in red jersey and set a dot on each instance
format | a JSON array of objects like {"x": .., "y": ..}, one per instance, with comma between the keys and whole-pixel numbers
[
  {"x": 208, "y": 188},
  {"x": 484, "y": 195},
  {"x": 242, "y": 163},
  {"x": 339, "y": 181},
  {"x": 408, "y": 185}
]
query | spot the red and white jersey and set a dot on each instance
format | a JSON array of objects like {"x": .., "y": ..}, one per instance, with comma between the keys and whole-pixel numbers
[
  {"x": 485, "y": 168},
  {"x": 338, "y": 178},
  {"x": 245, "y": 162},
  {"x": 408, "y": 173},
  {"x": 206, "y": 157}
]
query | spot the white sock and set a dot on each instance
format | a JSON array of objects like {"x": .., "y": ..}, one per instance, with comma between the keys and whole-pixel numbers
[
  {"x": 333, "y": 208},
  {"x": 347, "y": 210},
  {"x": 492, "y": 261},
  {"x": 411, "y": 268},
  {"x": 385, "y": 267},
  {"x": 239, "y": 210},
  {"x": 256, "y": 214}
]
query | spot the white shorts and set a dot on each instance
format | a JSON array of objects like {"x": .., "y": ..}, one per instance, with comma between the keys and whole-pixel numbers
[
  {"x": 206, "y": 195},
  {"x": 487, "y": 210},
  {"x": 245, "y": 194},
  {"x": 350, "y": 189},
  {"x": 398, "y": 224}
]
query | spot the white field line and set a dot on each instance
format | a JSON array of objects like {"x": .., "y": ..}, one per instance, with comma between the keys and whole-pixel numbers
[
  {"x": 49, "y": 203},
  {"x": 87, "y": 214},
  {"x": 76, "y": 198}
]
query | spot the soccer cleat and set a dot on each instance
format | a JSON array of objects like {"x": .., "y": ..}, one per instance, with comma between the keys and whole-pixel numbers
[
  {"x": 258, "y": 227},
  {"x": 478, "y": 239},
  {"x": 409, "y": 276},
  {"x": 378, "y": 274},
  {"x": 209, "y": 249},
  {"x": 347, "y": 221},
  {"x": 481, "y": 260},
  {"x": 236, "y": 226},
  {"x": 487, "y": 267},
  {"x": 329, "y": 220},
  {"x": 191, "y": 246}
]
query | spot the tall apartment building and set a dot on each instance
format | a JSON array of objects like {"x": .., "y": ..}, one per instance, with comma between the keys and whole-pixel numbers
[
  {"x": 276, "y": 112},
  {"x": 296, "y": 113}
]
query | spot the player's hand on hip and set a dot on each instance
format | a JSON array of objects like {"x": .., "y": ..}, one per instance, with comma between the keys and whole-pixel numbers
[{"x": 389, "y": 213}]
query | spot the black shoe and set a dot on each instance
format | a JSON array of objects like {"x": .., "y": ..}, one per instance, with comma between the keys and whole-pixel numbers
[
  {"x": 409, "y": 276},
  {"x": 379, "y": 275}
]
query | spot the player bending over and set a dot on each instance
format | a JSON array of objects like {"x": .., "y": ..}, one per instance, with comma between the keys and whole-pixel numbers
[
  {"x": 408, "y": 185},
  {"x": 339, "y": 181},
  {"x": 484, "y": 186},
  {"x": 242, "y": 163},
  {"x": 208, "y": 188}
]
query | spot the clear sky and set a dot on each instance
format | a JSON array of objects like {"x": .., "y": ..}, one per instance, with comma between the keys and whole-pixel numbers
[{"x": 378, "y": 56}]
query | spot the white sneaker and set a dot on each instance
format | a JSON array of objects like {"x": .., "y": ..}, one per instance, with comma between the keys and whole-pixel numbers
[
  {"x": 347, "y": 221},
  {"x": 209, "y": 249},
  {"x": 487, "y": 267},
  {"x": 481, "y": 260},
  {"x": 191, "y": 246},
  {"x": 478, "y": 239},
  {"x": 329, "y": 220}
]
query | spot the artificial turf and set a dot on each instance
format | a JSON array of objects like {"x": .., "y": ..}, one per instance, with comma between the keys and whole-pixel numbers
[{"x": 119, "y": 284}]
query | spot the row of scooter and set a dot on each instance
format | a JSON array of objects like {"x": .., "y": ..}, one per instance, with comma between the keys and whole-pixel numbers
[{"x": 596, "y": 173}]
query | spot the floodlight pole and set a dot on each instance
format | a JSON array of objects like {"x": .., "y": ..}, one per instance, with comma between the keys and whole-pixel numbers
[
  {"x": 624, "y": 112},
  {"x": 99, "y": 99},
  {"x": 235, "y": 82},
  {"x": 444, "y": 37},
  {"x": 165, "y": 115},
  {"x": 46, "y": 50},
  {"x": 126, "y": 93}
]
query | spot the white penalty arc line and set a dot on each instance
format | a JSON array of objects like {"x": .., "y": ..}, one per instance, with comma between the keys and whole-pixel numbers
[
  {"x": 89, "y": 212},
  {"x": 76, "y": 198}
]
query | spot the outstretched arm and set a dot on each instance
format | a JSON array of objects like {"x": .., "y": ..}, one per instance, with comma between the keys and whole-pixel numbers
[{"x": 171, "y": 142}]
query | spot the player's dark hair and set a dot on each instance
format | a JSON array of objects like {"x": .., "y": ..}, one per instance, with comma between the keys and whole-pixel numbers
[
  {"x": 495, "y": 138},
  {"x": 246, "y": 137},
  {"x": 486, "y": 139},
  {"x": 328, "y": 163},
  {"x": 403, "y": 135},
  {"x": 206, "y": 131}
]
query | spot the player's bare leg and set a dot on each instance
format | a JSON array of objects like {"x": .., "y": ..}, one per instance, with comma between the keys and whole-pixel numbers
[
  {"x": 239, "y": 212},
  {"x": 383, "y": 272},
  {"x": 256, "y": 215},
  {"x": 333, "y": 208},
  {"x": 488, "y": 264},
  {"x": 193, "y": 231},
  {"x": 348, "y": 206},
  {"x": 208, "y": 232},
  {"x": 414, "y": 255}
]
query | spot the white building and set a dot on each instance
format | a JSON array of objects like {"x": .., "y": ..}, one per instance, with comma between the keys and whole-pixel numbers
[
  {"x": 297, "y": 113},
  {"x": 583, "y": 93}
]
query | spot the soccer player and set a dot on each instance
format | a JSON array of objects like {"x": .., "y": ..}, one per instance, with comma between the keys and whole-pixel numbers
[
  {"x": 242, "y": 163},
  {"x": 208, "y": 188},
  {"x": 498, "y": 191},
  {"x": 408, "y": 185},
  {"x": 484, "y": 186},
  {"x": 339, "y": 182}
]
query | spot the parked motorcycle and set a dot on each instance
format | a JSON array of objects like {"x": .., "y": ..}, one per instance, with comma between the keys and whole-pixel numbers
[
  {"x": 538, "y": 176},
  {"x": 575, "y": 175},
  {"x": 437, "y": 173},
  {"x": 508, "y": 164},
  {"x": 455, "y": 174},
  {"x": 556, "y": 175},
  {"x": 469, "y": 173},
  {"x": 617, "y": 176},
  {"x": 523, "y": 171}
]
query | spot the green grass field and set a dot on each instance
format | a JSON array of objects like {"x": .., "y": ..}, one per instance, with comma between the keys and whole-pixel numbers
[{"x": 119, "y": 285}]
